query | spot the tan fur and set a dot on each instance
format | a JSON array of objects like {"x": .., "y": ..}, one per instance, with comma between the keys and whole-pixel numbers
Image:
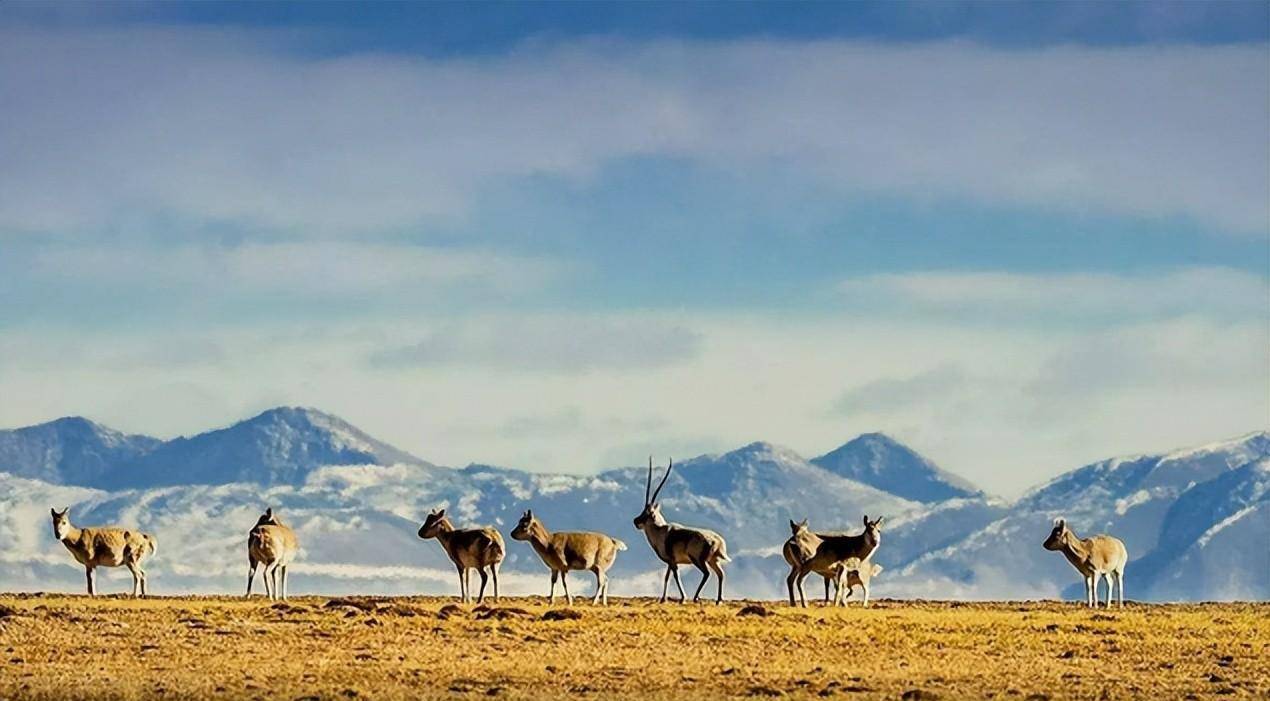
[
  {"x": 271, "y": 544},
  {"x": 468, "y": 548},
  {"x": 830, "y": 551},
  {"x": 854, "y": 572},
  {"x": 678, "y": 545},
  {"x": 570, "y": 550},
  {"x": 109, "y": 546},
  {"x": 1094, "y": 557},
  {"x": 799, "y": 549}
]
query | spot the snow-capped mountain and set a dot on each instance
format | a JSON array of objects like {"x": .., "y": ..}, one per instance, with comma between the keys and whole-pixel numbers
[
  {"x": 71, "y": 450},
  {"x": 882, "y": 462},
  {"x": 357, "y": 502},
  {"x": 279, "y": 446},
  {"x": 1161, "y": 506}
]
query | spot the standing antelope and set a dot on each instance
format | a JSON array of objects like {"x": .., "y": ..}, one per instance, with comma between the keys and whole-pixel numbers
[
  {"x": 680, "y": 545},
  {"x": 468, "y": 548},
  {"x": 273, "y": 544},
  {"x": 854, "y": 572},
  {"x": 571, "y": 550},
  {"x": 1093, "y": 557},
  {"x": 105, "y": 547},
  {"x": 800, "y": 548},
  {"x": 832, "y": 551}
]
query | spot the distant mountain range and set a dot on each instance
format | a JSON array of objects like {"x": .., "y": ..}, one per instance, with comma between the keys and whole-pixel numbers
[{"x": 1195, "y": 521}]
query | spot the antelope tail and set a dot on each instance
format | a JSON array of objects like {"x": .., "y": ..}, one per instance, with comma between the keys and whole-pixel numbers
[
  {"x": 723, "y": 554},
  {"x": 619, "y": 544},
  {"x": 153, "y": 543}
]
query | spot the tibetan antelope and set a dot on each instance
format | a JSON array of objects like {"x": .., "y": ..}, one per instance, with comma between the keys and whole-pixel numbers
[
  {"x": 468, "y": 548},
  {"x": 680, "y": 545},
  {"x": 105, "y": 547},
  {"x": 832, "y": 551},
  {"x": 273, "y": 544},
  {"x": 1093, "y": 557},
  {"x": 570, "y": 550},
  {"x": 800, "y": 548},
  {"x": 852, "y": 573}
]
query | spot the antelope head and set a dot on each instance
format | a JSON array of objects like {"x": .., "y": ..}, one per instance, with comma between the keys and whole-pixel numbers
[
  {"x": 267, "y": 518},
  {"x": 432, "y": 525},
  {"x": 525, "y": 527},
  {"x": 873, "y": 531},
  {"x": 61, "y": 522},
  {"x": 652, "y": 510},
  {"x": 1057, "y": 536},
  {"x": 798, "y": 527}
]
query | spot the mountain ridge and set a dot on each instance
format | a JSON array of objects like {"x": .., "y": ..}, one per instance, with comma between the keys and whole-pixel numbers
[
  {"x": 878, "y": 460},
  {"x": 354, "y": 499}
]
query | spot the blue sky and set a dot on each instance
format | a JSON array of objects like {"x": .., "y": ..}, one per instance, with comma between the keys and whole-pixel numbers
[{"x": 1016, "y": 236}]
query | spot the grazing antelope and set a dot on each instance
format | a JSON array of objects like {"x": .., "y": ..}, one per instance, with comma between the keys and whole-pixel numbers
[
  {"x": 105, "y": 547},
  {"x": 570, "y": 550},
  {"x": 854, "y": 572},
  {"x": 1093, "y": 557},
  {"x": 833, "y": 550},
  {"x": 273, "y": 544},
  {"x": 680, "y": 545},
  {"x": 468, "y": 548}
]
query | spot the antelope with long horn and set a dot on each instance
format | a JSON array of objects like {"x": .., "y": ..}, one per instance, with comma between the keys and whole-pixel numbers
[
  {"x": 570, "y": 550},
  {"x": 680, "y": 545},
  {"x": 105, "y": 547},
  {"x": 468, "y": 548},
  {"x": 1094, "y": 557}
]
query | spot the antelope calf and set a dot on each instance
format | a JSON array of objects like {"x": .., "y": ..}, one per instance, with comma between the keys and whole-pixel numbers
[
  {"x": 1093, "y": 557},
  {"x": 468, "y": 548},
  {"x": 680, "y": 545},
  {"x": 833, "y": 550},
  {"x": 854, "y": 572},
  {"x": 570, "y": 550},
  {"x": 273, "y": 544},
  {"x": 105, "y": 547}
]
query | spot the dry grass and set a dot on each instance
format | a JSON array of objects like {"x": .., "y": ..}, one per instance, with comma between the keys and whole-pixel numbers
[{"x": 62, "y": 647}]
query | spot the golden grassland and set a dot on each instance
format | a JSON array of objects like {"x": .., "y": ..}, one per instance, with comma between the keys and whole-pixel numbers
[{"x": 71, "y": 647}]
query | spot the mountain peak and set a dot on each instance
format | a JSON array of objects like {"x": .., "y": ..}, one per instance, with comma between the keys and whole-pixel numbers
[
  {"x": 69, "y": 450},
  {"x": 281, "y": 445},
  {"x": 880, "y": 461},
  {"x": 762, "y": 451}
]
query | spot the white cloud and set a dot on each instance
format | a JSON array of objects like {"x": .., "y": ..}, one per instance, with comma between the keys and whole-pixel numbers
[
  {"x": 129, "y": 128},
  {"x": 567, "y": 343},
  {"x": 322, "y": 269},
  {"x": 1026, "y": 403},
  {"x": 1220, "y": 291}
]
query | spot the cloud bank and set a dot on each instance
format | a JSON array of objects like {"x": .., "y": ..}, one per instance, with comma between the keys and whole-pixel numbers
[{"x": 131, "y": 128}]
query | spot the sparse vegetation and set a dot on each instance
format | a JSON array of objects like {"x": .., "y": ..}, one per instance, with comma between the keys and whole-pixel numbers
[{"x": 70, "y": 647}]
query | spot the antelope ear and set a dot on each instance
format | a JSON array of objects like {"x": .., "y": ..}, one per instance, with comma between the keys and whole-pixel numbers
[
  {"x": 269, "y": 512},
  {"x": 866, "y": 520},
  {"x": 878, "y": 523},
  {"x": 53, "y": 512},
  {"x": 441, "y": 513},
  {"x": 803, "y": 523},
  {"x": 1059, "y": 523},
  {"x": 529, "y": 513}
]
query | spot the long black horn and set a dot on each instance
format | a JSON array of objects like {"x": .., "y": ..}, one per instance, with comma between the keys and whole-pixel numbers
[
  {"x": 669, "y": 467},
  {"x": 648, "y": 486}
]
